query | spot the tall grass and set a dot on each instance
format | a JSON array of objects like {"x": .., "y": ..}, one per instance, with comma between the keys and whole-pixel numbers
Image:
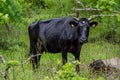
[{"x": 50, "y": 63}]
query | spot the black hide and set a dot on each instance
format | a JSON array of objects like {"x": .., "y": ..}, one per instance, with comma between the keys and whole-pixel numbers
[{"x": 58, "y": 35}]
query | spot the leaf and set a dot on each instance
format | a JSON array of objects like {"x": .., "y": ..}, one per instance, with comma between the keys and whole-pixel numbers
[
  {"x": 1, "y": 14},
  {"x": 118, "y": 17},
  {"x": 106, "y": 5},
  {"x": 100, "y": 78},
  {"x": 3, "y": 0},
  {"x": 12, "y": 63},
  {"x": 3, "y": 18}
]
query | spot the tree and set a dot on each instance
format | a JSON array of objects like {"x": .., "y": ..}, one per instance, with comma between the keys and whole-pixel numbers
[{"x": 10, "y": 10}]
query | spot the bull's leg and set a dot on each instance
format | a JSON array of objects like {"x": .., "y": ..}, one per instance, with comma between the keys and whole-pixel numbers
[
  {"x": 37, "y": 61},
  {"x": 64, "y": 57},
  {"x": 35, "y": 57},
  {"x": 76, "y": 54},
  {"x": 39, "y": 50},
  {"x": 77, "y": 59},
  {"x": 31, "y": 54}
]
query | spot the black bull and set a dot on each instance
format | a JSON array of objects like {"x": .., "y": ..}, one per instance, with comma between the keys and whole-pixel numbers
[{"x": 58, "y": 35}]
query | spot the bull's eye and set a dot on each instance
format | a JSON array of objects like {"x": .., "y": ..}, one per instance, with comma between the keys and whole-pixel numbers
[{"x": 72, "y": 26}]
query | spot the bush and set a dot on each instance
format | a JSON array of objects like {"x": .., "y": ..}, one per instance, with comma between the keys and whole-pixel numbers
[{"x": 12, "y": 8}]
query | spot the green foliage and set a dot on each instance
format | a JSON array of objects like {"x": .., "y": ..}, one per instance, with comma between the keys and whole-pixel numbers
[
  {"x": 12, "y": 63},
  {"x": 12, "y": 8},
  {"x": 3, "y": 18},
  {"x": 106, "y": 5},
  {"x": 118, "y": 17},
  {"x": 68, "y": 72},
  {"x": 15, "y": 47},
  {"x": 35, "y": 3},
  {"x": 6, "y": 43},
  {"x": 2, "y": 2},
  {"x": 60, "y": 6},
  {"x": 100, "y": 78},
  {"x": 109, "y": 7}
]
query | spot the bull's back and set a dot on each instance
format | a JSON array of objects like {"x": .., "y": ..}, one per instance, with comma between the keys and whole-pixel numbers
[{"x": 50, "y": 32}]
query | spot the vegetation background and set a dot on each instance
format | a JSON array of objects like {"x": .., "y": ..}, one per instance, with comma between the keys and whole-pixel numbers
[{"x": 17, "y": 15}]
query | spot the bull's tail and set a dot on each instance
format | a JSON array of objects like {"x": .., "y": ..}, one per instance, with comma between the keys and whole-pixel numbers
[{"x": 33, "y": 53}]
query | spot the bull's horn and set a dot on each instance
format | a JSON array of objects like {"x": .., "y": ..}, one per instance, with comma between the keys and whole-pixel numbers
[{"x": 92, "y": 17}]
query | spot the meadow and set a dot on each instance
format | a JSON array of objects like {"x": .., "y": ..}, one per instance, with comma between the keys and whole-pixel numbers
[
  {"x": 14, "y": 46},
  {"x": 17, "y": 48}
]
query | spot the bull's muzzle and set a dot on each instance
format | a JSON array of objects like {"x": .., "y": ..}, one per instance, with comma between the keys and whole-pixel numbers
[{"x": 83, "y": 40}]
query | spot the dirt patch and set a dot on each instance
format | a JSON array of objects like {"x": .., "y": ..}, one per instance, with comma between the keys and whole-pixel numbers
[
  {"x": 109, "y": 69},
  {"x": 115, "y": 62}
]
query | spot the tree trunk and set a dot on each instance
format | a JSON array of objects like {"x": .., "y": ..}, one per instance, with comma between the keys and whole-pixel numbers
[{"x": 7, "y": 27}]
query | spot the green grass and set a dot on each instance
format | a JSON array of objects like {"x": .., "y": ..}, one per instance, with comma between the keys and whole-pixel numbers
[{"x": 52, "y": 62}]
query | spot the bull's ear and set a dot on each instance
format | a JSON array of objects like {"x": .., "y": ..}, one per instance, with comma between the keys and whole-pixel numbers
[
  {"x": 73, "y": 24},
  {"x": 93, "y": 24}
]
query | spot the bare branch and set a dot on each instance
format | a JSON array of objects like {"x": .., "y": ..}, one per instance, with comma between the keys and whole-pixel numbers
[
  {"x": 29, "y": 59},
  {"x": 24, "y": 62},
  {"x": 93, "y": 9},
  {"x": 2, "y": 59},
  {"x": 96, "y": 9},
  {"x": 115, "y": 12},
  {"x": 1, "y": 73},
  {"x": 79, "y": 2},
  {"x": 86, "y": 9},
  {"x": 6, "y": 73},
  {"x": 101, "y": 15}
]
